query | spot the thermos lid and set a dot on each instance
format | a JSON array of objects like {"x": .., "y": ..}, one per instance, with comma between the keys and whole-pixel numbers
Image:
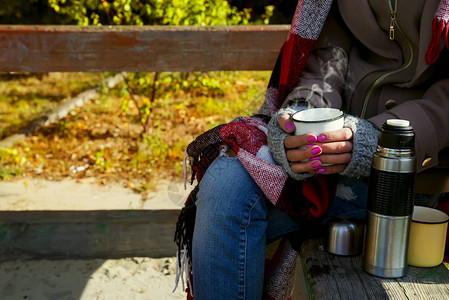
[
  {"x": 345, "y": 236},
  {"x": 397, "y": 134},
  {"x": 398, "y": 122}
]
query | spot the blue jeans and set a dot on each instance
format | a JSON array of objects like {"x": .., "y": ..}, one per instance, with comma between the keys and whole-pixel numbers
[{"x": 234, "y": 221}]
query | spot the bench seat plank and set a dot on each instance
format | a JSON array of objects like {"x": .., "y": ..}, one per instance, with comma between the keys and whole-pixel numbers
[
  {"x": 87, "y": 234},
  {"x": 338, "y": 277}
]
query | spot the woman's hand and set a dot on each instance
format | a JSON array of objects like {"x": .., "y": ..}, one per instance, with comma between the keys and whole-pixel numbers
[{"x": 332, "y": 147}]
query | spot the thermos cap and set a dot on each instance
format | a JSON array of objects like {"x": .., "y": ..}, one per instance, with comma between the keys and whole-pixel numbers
[
  {"x": 345, "y": 236},
  {"x": 398, "y": 122},
  {"x": 397, "y": 134}
]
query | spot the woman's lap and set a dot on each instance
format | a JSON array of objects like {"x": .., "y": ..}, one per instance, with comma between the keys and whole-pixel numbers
[{"x": 234, "y": 222}]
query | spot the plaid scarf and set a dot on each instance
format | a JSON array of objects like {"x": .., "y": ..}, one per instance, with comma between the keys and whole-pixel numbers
[
  {"x": 306, "y": 26},
  {"x": 303, "y": 200},
  {"x": 440, "y": 29}
]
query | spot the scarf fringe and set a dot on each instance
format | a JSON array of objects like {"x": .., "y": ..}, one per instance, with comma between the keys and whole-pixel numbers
[
  {"x": 183, "y": 240},
  {"x": 183, "y": 268},
  {"x": 440, "y": 28}
]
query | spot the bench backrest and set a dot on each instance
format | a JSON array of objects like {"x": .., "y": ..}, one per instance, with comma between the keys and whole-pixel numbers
[{"x": 139, "y": 48}]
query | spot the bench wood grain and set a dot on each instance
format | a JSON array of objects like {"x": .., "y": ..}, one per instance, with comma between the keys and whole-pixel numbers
[
  {"x": 139, "y": 48},
  {"x": 87, "y": 234},
  {"x": 330, "y": 276}
]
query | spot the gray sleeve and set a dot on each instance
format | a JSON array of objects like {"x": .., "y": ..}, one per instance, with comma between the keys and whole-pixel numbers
[
  {"x": 276, "y": 138},
  {"x": 365, "y": 143}
]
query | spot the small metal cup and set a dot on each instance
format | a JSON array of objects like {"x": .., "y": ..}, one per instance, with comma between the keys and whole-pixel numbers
[{"x": 345, "y": 236}]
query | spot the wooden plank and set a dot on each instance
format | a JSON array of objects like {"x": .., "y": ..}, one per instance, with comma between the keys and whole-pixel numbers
[
  {"x": 337, "y": 277},
  {"x": 139, "y": 48},
  {"x": 87, "y": 234}
]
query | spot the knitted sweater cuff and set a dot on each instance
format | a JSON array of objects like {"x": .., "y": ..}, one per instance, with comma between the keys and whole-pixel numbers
[
  {"x": 276, "y": 138},
  {"x": 365, "y": 143}
]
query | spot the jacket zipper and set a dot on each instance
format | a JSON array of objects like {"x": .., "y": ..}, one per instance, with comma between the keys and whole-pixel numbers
[
  {"x": 393, "y": 26},
  {"x": 392, "y": 16}
]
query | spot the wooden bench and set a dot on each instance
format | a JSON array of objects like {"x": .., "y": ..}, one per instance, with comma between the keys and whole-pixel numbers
[
  {"x": 329, "y": 276},
  {"x": 106, "y": 233}
]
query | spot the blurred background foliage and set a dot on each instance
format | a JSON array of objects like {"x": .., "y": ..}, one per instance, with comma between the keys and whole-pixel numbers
[{"x": 141, "y": 12}]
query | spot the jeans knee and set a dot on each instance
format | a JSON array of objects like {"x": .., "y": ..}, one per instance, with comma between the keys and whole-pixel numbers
[{"x": 228, "y": 193}]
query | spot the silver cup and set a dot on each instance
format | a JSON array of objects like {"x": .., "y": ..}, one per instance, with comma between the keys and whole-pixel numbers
[{"x": 345, "y": 237}]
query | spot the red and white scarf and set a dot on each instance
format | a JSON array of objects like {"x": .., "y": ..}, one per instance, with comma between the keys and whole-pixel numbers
[
  {"x": 440, "y": 31},
  {"x": 304, "y": 200},
  {"x": 308, "y": 21}
]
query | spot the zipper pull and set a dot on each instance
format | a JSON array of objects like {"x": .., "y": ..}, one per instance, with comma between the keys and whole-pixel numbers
[{"x": 392, "y": 21}]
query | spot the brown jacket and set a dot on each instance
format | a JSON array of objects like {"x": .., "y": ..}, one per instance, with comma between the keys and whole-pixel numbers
[{"x": 357, "y": 67}]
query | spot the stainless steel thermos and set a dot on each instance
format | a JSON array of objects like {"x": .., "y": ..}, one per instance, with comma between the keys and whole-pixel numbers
[{"x": 391, "y": 194}]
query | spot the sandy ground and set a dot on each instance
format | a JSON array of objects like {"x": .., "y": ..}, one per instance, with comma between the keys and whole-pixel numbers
[
  {"x": 140, "y": 278},
  {"x": 112, "y": 279},
  {"x": 121, "y": 279},
  {"x": 88, "y": 194}
]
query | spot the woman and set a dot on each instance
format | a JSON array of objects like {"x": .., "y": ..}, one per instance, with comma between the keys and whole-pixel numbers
[{"x": 375, "y": 60}]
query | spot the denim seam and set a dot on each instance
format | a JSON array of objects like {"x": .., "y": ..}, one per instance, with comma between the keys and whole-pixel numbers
[{"x": 244, "y": 241}]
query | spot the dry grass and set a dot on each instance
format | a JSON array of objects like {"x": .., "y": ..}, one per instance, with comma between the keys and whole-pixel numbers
[{"x": 101, "y": 140}]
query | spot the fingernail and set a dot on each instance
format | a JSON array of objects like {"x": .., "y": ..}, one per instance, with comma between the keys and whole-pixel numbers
[
  {"x": 317, "y": 171},
  {"x": 322, "y": 170},
  {"x": 314, "y": 158},
  {"x": 321, "y": 138},
  {"x": 311, "y": 139},
  {"x": 310, "y": 145},
  {"x": 317, "y": 150},
  {"x": 289, "y": 126},
  {"x": 316, "y": 164}
]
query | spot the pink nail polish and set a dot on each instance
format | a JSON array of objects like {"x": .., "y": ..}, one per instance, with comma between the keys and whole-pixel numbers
[
  {"x": 317, "y": 171},
  {"x": 317, "y": 150},
  {"x": 321, "y": 138},
  {"x": 322, "y": 170},
  {"x": 310, "y": 145},
  {"x": 311, "y": 139},
  {"x": 316, "y": 164},
  {"x": 315, "y": 158},
  {"x": 289, "y": 126}
]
